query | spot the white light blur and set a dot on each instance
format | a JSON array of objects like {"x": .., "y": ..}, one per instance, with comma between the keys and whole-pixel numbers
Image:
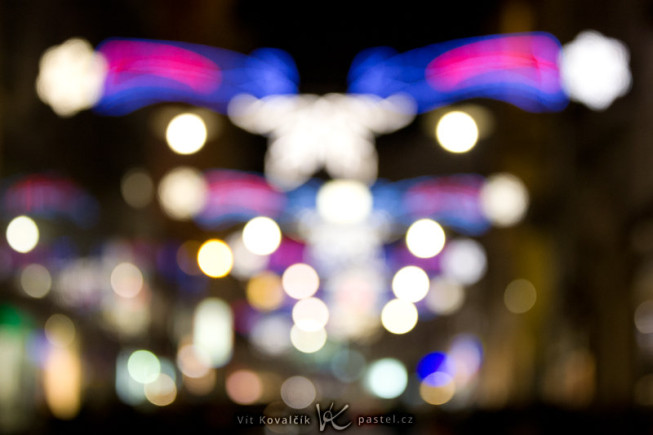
[
  {"x": 244, "y": 387},
  {"x": 271, "y": 335},
  {"x": 386, "y": 378},
  {"x": 186, "y": 133},
  {"x": 60, "y": 330},
  {"x": 182, "y": 193},
  {"x": 425, "y": 238},
  {"x": 594, "y": 69},
  {"x": 308, "y": 133},
  {"x": 22, "y": 234},
  {"x": 410, "y": 283},
  {"x": 344, "y": 201},
  {"x": 213, "y": 331},
  {"x": 246, "y": 263},
  {"x": 644, "y": 317},
  {"x": 504, "y": 199},
  {"x": 445, "y": 296},
  {"x": 298, "y": 392},
  {"x": 300, "y": 281},
  {"x": 137, "y": 188},
  {"x": 264, "y": 291},
  {"x": 437, "y": 388},
  {"x": 457, "y": 132},
  {"x": 262, "y": 235},
  {"x": 520, "y": 296},
  {"x": 35, "y": 280},
  {"x": 71, "y": 77},
  {"x": 399, "y": 316},
  {"x": 143, "y": 366},
  {"x": 464, "y": 261},
  {"x": 192, "y": 362},
  {"x": 308, "y": 341},
  {"x": 310, "y": 314},
  {"x": 162, "y": 391},
  {"x": 62, "y": 381},
  {"x": 215, "y": 258},
  {"x": 128, "y": 390},
  {"x": 126, "y": 280}
]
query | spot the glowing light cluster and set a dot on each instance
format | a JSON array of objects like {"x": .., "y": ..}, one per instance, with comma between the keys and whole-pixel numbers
[
  {"x": 308, "y": 133},
  {"x": 71, "y": 76},
  {"x": 595, "y": 69},
  {"x": 344, "y": 202}
]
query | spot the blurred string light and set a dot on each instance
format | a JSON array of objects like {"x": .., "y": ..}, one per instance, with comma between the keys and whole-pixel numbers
[
  {"x": 264, "y": 291},
  {"x": 504, "y": 199},
  {"x": 62, "y": 374},
  {"x": 520, "y": 296},
  {"x": 192, "y": 362},
  {"x": 71, "y": 77},
  {"x": 182, "y": 193},
  {"x": 143, "y": 366},
  {"x": 386, "y": 378},
  {"x": 595, "y": 69},
  {"x": 246, "y": 263},
  {"x": 244, "y": 387},
  {"x": 143, "y": 72},
  {"x": 213, "y": 331},
  {"x": 457, "y": 132},
  {"x": 425, "y": 238},
  {"x": 452, "y": 201},
  {"x": 644, "y": 317},
  {"x": 22, "y": 234},
  {"x": 35, "y": 280},
  {"x": 308, "y": 133},
  {"x": 300, "y": 281},
  {"x": 399, "y": 316},
  {"x": 236, "y": 196},
  {"x": 437, "y": 388},
  {"x": 348, "y": 365},
  {"x": 62, "y": 381},
  {"x": 137, "y": 188},
  {"x": 410, "y": 283},
  {"x": 186, "y": 133},
  {"x": 262, "y": 235},
  {"x": 308, "y": 341},
  {"x": 126, "y": 280},
  {"x": 60, "y": 330},
  {"x": 49, "y": 196},
  {"x": 521, "y": 69},
  {"x": 215, "y": 258},
  {"x": 464, "y": 261},
  {"x": 162, "y": 391},
  {"x": 271, "y": 334},
  {"x": 298, "y": 392},
  {"x": 310, "y": 314},
  {"x": 445, "y": 296}
]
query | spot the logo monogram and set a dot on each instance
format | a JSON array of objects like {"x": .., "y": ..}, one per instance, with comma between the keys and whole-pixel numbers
[{"x": 328, "y": 416}]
